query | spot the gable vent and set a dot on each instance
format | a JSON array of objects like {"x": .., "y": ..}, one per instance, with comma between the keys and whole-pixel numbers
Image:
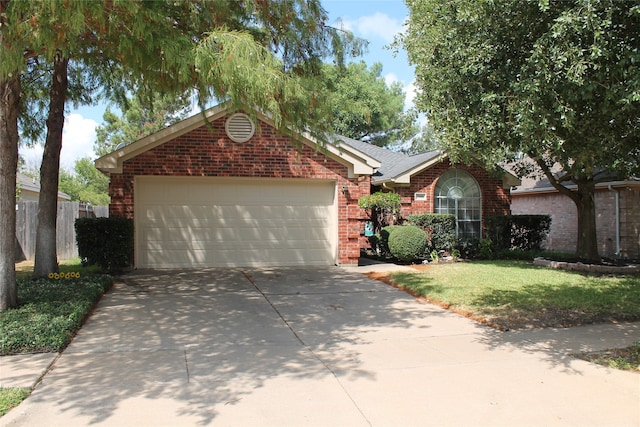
[{"x": 239, "y": 127}]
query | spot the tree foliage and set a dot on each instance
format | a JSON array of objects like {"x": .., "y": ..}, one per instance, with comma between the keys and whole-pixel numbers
[
  {"x": 555, "y": 80},
  {"x": 365, "y": 107},
  {"x": 140, "y": 117},
  {"x": 382, "y": 208},
  {"x": 252, "y": 54},
  {"x": 85, "y": 183}
]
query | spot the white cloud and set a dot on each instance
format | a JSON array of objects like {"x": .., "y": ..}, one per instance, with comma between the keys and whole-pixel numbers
[
  {"x": 410, "y": 92},
  {"x": 78, "y": 137},
  {"x": 390, "y": 78},
  {"x": 378, "y": 25}
]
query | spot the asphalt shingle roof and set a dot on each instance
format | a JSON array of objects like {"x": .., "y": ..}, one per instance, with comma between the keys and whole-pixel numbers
[{"x": 393, "y": 163}]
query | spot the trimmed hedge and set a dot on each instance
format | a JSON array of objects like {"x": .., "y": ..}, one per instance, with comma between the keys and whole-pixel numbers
[
  {"x": 440, "y": 229},
  {"x": 107, "y": 242},
  {"x": 382, "y": 239},
  {"x": 523, "y": 232},
  {"x": 407, "y": 243}
]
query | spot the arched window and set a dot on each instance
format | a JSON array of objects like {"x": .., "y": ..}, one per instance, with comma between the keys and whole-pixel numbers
[{"x": 458, "y": 193}]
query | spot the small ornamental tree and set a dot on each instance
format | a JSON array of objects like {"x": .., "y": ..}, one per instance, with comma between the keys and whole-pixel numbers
[{"x": 381, "y": 208}]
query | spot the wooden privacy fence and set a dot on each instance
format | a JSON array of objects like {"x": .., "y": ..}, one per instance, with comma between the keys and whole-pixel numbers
[{"x": 27, "y": 219}]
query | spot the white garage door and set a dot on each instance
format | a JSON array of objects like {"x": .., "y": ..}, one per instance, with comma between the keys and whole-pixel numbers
[{"x": 217, "y": 222}]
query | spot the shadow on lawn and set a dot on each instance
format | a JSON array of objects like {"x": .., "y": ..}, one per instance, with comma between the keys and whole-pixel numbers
[{"x": 561, "y": 305}]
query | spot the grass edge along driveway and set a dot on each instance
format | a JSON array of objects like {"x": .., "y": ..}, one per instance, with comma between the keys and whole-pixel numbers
[{"x": 517, "y": 295}]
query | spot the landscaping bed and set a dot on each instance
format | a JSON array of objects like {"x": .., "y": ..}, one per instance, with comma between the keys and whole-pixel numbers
[{"x": 49, "y": 314}]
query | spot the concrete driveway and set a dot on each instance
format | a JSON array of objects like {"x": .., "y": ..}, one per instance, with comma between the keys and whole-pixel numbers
[{"x": 325, "y": 347}]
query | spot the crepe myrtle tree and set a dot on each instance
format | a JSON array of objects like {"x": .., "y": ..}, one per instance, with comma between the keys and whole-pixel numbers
[
  {"x": 250, "y": 54},
  {"x": 555, "y": 81}
]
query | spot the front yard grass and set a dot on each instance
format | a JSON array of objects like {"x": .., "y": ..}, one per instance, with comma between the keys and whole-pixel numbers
[
  {"x": 517, "y": 295},
  {"x": 11, "y": 397}
]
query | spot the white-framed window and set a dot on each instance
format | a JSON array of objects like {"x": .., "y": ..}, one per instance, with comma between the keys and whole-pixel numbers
[
  {"x": 420, "y": 196},
  {"x": 458, "y": 193}
]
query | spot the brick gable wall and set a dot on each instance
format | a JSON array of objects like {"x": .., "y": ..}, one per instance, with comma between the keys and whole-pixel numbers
[
  {"x": 209, "y": 152},
  {"x": 495, "y": 199}
]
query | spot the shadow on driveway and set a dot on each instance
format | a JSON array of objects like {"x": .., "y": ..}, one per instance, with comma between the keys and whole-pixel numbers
[{"x": 305, "y": 346}]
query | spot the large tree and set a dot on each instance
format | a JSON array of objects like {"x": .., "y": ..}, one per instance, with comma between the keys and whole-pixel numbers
[
  {"x": 85, "y": 183},
  {"x": 365, "y": 107},
  {"x": 252, "y": 54},
  {"x": 140, "y": 117},
  {"x": 555, "y": 80}
]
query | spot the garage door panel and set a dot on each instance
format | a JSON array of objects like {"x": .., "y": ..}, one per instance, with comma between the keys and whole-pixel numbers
[
  {"x": 200, "y": 222},
  {"x": 281, "y": 234},
  {"x": 249, "y": 258}
]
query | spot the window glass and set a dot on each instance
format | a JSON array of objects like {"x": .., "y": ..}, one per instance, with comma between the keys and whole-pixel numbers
[{"x": 458, "y": 193}]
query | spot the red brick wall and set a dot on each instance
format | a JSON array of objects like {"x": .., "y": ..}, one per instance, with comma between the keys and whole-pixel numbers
[
  {"x": 564, "y": 226},
  {"x": 495, "y": 199},
  {"x": 209, "y": 152}
]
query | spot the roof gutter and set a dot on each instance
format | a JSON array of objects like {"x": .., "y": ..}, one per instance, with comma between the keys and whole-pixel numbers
[{"x": 606, "y": 185}]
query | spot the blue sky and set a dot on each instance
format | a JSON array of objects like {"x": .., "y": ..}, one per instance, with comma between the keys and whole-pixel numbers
[{"x": 374, "y": 20}]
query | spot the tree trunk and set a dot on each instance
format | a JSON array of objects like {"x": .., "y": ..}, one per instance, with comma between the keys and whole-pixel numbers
[
  {"x": 46, "y": 260},
  {"x": 587, "y": 245},
  {"x": 9, "y": 104},
  {"x": 584, "y": 199}
]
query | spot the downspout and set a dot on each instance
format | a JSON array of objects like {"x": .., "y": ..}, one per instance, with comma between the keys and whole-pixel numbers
[{"x": 617, "y": 198}]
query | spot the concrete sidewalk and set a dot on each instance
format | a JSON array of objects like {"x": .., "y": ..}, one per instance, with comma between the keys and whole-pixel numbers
[{"x": 313, "y": 347}]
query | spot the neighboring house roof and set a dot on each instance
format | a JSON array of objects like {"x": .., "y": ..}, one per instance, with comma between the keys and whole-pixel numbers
[
  {"x": 31, "y": 185},
  {"x": 541, "y": 184},
  {"x": 357, "y": 162}
]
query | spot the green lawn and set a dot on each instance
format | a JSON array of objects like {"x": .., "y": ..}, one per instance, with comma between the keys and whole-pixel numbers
[
  {"x": 515, "y": 294},
  {"x": 11, "y": 397}
]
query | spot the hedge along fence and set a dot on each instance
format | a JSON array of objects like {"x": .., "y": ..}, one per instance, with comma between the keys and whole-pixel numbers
[
  {"x": 68, "y": 212},
  {"x": 440, "y": 229},
  {"x": 107, "y": 242},
  {"x": 525, "y": 232}
]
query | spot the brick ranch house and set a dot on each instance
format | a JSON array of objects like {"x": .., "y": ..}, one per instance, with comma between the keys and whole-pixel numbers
[
  {"x": 617, "y": 215},
  {"x": 239, "y": 193}
]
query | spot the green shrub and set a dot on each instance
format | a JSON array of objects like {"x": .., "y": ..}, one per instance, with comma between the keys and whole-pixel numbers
[
  {"x": 468, "y": 248},
  {"x": 107, "y": 242},
  {"x": 440, "y": 229},
  {"x": 524, "y": 232},
  {"x": 49, "y": 313},
  {"x": 383, "y": 240},
  {"x": 407, "y": 243},
  {"x": 485, "y": 249}
]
